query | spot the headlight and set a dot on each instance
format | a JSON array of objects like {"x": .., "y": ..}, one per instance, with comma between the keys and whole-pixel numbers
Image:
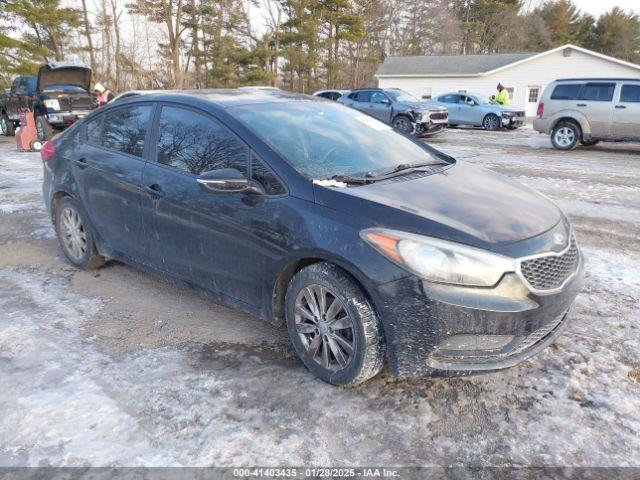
[
  {"x": 439, "y": 260},
  {"x": 53, "y": 104},
  {"x": 417, "y": 116}
]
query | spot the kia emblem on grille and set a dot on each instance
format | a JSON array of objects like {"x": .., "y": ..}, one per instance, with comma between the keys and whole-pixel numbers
[{"x": 558, "y": 238}]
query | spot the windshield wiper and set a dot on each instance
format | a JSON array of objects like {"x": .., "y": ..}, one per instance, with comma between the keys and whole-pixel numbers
[
  {"x": 408, "y": 166},
  {"x": 352, "y": 180}
]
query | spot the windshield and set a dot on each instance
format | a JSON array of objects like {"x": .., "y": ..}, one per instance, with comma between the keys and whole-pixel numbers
[
  {"x": 401, "y": 96},
  {"x": 321, "y": 140},
  {"x": 482, "y": 100}
]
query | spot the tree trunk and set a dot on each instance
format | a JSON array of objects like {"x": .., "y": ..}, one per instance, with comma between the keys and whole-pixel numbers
[{"x": 87, "y": 33}]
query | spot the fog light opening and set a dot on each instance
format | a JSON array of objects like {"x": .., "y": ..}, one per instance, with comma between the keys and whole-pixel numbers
[{"x": 474, "y": 342}]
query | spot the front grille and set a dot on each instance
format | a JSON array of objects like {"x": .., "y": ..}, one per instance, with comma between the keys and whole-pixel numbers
[
  {"x": 551, "y": 271},
  {"x": 76, "y": 103},
  {"x": 439, "y": 116}
]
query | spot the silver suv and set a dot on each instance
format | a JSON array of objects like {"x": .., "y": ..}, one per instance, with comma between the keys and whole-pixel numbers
[{"x": 588, "y": 110}]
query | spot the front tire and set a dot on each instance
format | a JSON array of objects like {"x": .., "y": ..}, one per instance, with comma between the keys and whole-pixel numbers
[
  {"x": 7, "y": 127},
  {"x": 333, "y": 326},
  {"x": 491, "y": 122},
  {"x": 43, "y": 129},
  {"x": 74, "y": 235},
  {"x": 565, "y": 135},
  {"x": 403, "y": 123}
]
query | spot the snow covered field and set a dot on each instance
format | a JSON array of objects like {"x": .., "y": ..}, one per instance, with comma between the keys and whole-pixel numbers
[{"x": 116, "y": 367}]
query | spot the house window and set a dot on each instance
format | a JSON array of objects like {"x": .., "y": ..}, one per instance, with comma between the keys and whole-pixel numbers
[
  {"x": 462, "y": 90},
  {"x": 510, "y": 91},
  {"x": 534, "y": 93}
]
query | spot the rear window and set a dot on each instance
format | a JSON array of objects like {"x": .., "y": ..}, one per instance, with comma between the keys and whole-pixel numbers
[
  {"x": 630, "y": 94},
  {"x": 598, "y": 92},
  {"x": 566, "y": 91},
  {"x": 124, "y": 129}
]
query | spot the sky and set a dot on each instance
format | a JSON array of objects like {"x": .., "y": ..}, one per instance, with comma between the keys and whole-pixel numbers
[{"x": 598, "y": 7}]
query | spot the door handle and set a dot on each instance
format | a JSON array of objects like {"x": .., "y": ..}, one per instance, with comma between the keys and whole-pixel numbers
[
  {"x": 621, "y": 106},
  {"x": 582, "y": 105},
  {"x": 82, "y": 163},
  {"x": 154, "y": 191}
]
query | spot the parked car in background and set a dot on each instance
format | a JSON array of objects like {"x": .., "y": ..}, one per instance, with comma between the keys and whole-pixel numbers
[
  {"x": 398, "y": 108},
  {"x": 589, "y": 110},
  {"x": 331, "y": 94},
  {"x": 58, "y": 96},
  {"x": 371, "y": 246},
  {"x": 476, "y": 110}
]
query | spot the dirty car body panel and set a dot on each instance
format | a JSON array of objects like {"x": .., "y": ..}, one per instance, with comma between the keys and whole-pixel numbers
[{"x": 242, "y": 248}]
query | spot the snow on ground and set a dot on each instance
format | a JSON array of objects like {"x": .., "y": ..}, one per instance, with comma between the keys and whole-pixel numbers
[{"x": 115, "y": 367}]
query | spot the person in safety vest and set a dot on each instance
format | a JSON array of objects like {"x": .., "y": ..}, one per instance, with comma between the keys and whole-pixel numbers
[
  {"x": 104, "y": 96},
  {"x": 503, "y": 96}
]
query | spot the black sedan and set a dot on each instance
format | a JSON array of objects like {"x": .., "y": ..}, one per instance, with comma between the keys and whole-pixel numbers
[{"x": 370, "y": 246}]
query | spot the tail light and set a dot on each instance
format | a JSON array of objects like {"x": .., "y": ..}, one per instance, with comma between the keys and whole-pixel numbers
[
  {"x": 540, "y": 110},
  {"x": 48, "y": 151}
]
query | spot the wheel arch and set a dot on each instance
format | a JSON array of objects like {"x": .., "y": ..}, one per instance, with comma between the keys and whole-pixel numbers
[
  {"x": 578, "y": 119},
  {"x": 294, "y": 265}
]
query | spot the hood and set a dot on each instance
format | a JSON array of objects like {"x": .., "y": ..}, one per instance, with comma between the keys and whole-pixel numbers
[
  {"x": 464, "y": 203},
  {"x": 510, "y": 109},
  {"x": 64, "y": 73},
  {"x": 420, "y": 106}
]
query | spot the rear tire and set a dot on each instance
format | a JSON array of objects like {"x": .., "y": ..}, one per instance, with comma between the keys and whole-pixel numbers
[
  {"x": 43, "y": 128},
  {"x": 7, "y": 127},
  {"x": 565, "y": 136},
  {"x": 341, "y": 343},
  {"x": 74, "y": 235},
  {"x": 491, "y": 122}
]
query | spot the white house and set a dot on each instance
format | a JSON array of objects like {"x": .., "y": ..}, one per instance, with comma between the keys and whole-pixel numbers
[{"x": 523, "y": 74}]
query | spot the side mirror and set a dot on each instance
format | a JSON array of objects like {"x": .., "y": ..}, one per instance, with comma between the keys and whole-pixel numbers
[
  {"x": 227, "y": 180},
  {"x": 385, "y": 101}
]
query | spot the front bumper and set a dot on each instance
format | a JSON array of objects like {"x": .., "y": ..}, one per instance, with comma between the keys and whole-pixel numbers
[
  {"x": 66, "y": 118},
  {"x": 513, "y": 122},
  {"x": 434, "y": 329}
]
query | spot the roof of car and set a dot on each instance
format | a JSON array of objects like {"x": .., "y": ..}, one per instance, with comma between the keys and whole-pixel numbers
[{"x": 224, "y": 97}]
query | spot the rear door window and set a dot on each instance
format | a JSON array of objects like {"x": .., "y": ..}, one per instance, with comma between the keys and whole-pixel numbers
[
  {"x": 449, "y": 99},
  {"x": 630, "y": 94},
  {"x": 566, "y": 91},
  {"x": 597, "y": 92},
  {"x": 196, "y": 143},
  {"x": 94, "y": 130},
  {"x": 125, "y": 129}
]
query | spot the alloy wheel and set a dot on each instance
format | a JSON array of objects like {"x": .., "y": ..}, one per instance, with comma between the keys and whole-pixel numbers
[
  {"x": 491, "y": 122},
  {"x": 325, "y": 327},
  {"x": 403, "y": 124},
  {"x": 565, "y": 136},
  {"x": 74, "y": 237}
]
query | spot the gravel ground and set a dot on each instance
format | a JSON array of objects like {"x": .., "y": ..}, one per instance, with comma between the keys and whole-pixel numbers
[{"x": 118, "y": 368}]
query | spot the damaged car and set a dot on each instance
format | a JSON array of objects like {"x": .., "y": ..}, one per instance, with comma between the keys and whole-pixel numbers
[
  {"x": 58, "y": 96},
  {"x": 399, "y": 109},
  {"x": 372, "y": 247},
  {"x": 476, "y": 110}
]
